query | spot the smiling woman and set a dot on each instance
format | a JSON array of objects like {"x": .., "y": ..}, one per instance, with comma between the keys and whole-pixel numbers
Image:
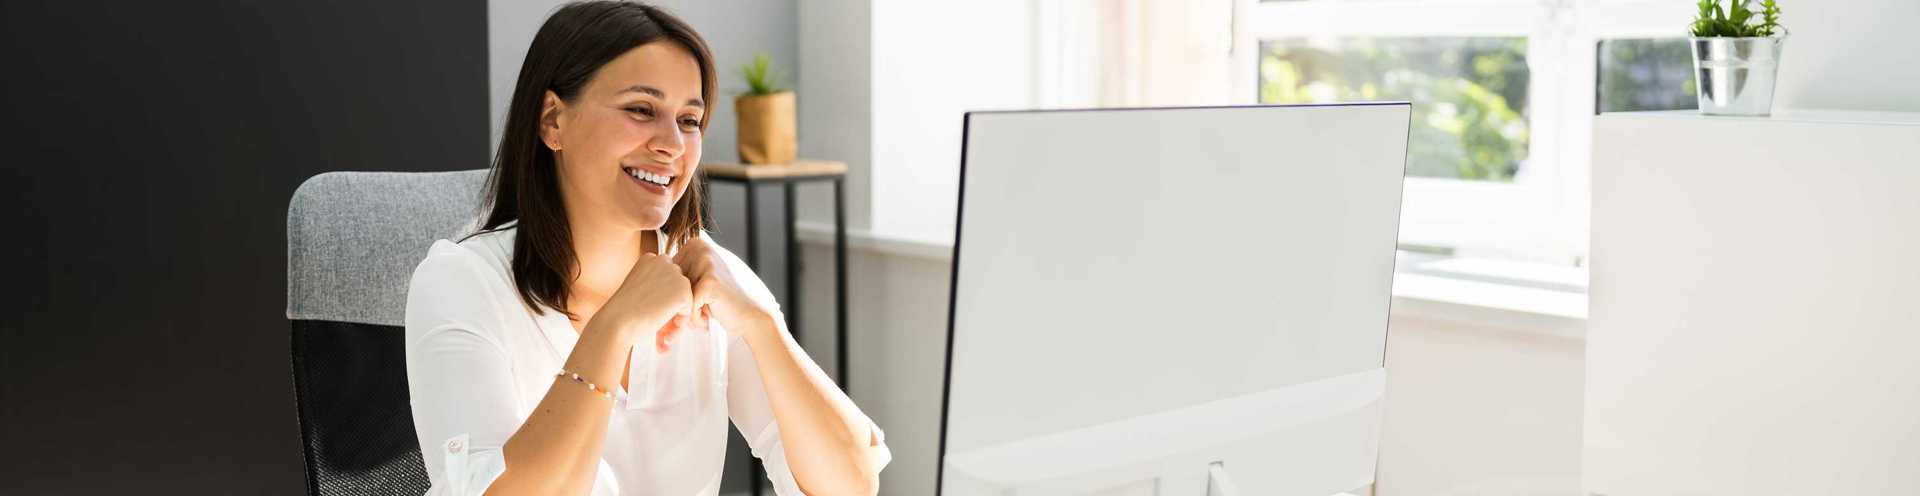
[
  {"x": 527, "y": 350},
  {"x": 640, "y": 50}
]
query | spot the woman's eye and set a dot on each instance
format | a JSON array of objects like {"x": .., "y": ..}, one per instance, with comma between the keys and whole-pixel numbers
[
  {"x": 643, "y": 111},
  {"x": 690, "y": 123}
]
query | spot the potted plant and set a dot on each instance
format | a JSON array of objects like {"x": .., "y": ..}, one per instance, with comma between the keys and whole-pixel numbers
[
  {"x": 766, "y": 116},
  {"x": 1736, "y": 56}
]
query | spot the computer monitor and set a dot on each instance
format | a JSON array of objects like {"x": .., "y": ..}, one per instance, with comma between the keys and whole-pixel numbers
[{"x": 1171, "y": 301}]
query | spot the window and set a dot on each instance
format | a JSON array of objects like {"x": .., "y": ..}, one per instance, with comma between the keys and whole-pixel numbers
[
  {"x": 1472, "y": 124},
  {"x": 1504, "y": 91},
  {"x": 1645, "y": 74}
]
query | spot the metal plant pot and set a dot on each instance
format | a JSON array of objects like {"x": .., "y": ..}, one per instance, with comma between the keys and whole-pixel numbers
[{"x": 1735, "y": 76}]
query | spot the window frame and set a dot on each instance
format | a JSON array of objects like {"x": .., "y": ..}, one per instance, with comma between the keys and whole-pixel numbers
[{"x": 1541, "y": 216}]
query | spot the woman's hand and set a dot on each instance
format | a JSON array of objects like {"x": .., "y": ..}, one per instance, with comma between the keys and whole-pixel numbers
[
  {"x": 715, "y": 293},
  {"x": 655, "y": 298}
]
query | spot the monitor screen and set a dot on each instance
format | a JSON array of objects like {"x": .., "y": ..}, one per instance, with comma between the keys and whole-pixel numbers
[{"x": 1171, "y": 300}]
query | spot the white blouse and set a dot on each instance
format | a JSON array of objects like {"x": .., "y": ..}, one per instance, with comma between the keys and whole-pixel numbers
[{"x": 479, "y": 362}]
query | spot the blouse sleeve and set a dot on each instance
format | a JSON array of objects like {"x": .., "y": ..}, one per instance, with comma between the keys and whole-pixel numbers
[
  {"x": 747, "y": 402},
  {"x": 458, "y": 373}
]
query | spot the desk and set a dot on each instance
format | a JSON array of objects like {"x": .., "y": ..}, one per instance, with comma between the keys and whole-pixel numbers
[
  {"x": 787, "y": 176},
  {"x": 1752, "y": 325}
]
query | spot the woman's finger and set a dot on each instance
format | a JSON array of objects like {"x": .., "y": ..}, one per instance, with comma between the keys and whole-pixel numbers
[
  {"x": 705, "y": 290},
  {"x": 664, "y": 338},
  {"x": 667, "y": 333},
  {"x": 697, "y": 293}
]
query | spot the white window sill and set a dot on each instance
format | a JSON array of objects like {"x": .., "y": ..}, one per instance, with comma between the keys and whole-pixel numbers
[
  {"x": 859, "y": 239},
  {"x": 1482, "y": 304},
  {"x": 1512, "y": 296}
]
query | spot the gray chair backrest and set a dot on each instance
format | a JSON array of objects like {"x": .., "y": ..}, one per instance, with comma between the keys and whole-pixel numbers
[{"x": 353, "y": 240}]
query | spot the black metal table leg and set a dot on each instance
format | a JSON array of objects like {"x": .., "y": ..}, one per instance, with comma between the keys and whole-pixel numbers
[
  {"x": 753, "y": 262},
  {"x": 753, "y": 228},
  {"x": 840, "y": 285},
  {"x": 793, "y": 269}
]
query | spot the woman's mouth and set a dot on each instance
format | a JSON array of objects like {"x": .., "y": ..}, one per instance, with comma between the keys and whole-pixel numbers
[{"x": 649, "y": 181}]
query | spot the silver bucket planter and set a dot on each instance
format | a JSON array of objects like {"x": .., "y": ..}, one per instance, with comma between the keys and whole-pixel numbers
[{"x": 1735, "y": 76}]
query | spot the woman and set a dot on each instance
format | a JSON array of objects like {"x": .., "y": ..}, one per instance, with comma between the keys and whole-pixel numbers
[{"x": 590, "y": 338}]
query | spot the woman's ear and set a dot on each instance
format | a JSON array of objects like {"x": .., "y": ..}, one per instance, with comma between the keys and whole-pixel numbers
[{"x": 550, "y": 109}]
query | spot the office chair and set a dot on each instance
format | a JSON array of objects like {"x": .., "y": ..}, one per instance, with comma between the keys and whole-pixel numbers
[{"x": 353, "y": 239}]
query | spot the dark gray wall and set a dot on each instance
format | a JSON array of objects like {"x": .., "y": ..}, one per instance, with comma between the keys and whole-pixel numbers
[{"x": 149, "y": 152}]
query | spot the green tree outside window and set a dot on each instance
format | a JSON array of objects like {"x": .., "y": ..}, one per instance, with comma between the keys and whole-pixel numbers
[{"x": 1469, "y": 94}]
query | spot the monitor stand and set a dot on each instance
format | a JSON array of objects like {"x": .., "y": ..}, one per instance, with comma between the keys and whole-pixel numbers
[{"x": 1218, "y": 482}]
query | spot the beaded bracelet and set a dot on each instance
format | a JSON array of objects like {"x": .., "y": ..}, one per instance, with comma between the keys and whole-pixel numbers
[{"x": 590, "y": 386}]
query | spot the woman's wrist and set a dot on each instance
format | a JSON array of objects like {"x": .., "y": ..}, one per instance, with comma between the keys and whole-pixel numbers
[
  {"x": 756, "y": 324},
  {"x": 626, "y": 332}
]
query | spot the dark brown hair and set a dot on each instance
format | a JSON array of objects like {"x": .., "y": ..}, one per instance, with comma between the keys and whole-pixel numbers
[{"x": 524, "y": 186}]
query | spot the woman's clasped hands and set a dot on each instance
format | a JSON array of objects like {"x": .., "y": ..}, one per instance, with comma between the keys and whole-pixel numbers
[{"x": 662, "y": 297}]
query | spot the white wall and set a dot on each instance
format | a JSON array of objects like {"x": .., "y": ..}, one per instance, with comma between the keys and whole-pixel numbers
[
  {"x": 932, "y": 62},
  {"x": 1850, "y": 54},
  {"x": 884, "y": 87},
  {"x": 835, "y": 39},
  {"x": 1479, "y": 410},
  {"x": 510, "y": 28}
]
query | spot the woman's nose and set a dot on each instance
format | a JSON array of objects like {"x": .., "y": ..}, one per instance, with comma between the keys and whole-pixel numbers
[{"x": 668, "y": 140}]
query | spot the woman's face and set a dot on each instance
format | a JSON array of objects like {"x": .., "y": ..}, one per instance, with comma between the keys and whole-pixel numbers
[{"x": 629, "y": 142}]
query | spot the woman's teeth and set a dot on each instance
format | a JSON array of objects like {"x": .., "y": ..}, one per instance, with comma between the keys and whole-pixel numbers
[{"x": 649, "y": 177}]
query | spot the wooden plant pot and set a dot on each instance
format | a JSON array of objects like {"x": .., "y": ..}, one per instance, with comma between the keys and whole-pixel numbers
[{"x": 766, "y": 134}]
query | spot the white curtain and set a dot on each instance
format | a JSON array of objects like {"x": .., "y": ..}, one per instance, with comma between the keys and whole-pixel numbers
[{"x": 1126, "y": 53}]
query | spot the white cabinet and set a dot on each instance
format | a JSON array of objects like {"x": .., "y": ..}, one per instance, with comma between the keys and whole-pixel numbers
[{"x": 1755, "y": 313}]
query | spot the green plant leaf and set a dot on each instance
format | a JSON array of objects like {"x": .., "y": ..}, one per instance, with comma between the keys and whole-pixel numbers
[
  {"x": 1770, "y": 17},
  {"x": 1736, "y": 19},
  {"x": 1708, "y": 21},
  {"x": 1738, "y": 13},
  {"x": 762, "y": 78}
]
